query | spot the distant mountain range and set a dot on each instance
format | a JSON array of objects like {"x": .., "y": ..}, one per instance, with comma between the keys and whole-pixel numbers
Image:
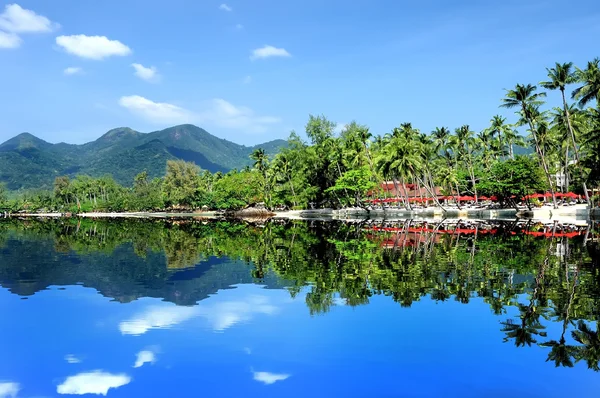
[{"x": 27, "y": 162}]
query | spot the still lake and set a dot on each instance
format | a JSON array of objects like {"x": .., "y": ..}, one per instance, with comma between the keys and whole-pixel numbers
[{"x": 222, "y": 309}]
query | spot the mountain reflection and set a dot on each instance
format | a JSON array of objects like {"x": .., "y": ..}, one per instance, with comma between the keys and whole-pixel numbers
[{"x": 541, "y": 274}]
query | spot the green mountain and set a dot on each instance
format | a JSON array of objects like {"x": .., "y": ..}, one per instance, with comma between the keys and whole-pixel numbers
[{"x": 27, "y": 162}]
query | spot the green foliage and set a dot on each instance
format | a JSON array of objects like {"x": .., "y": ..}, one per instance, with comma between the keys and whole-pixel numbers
[
  {"x": 3, "y": 195},
  {"x": 519, "y": 177},
  {"x": 181, "y": 183},
  {"x": 238, "y": 190},
  {"x": 356, "y": 183}
]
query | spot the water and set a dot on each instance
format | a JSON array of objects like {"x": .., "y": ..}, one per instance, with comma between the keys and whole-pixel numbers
[{"x": 152, "y": 309}]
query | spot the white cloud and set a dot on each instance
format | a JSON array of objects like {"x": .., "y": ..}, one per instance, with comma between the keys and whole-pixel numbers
[
  {"x": 268, "y": 52},
  {"x": 149, "y": 74},
  {"x": 248, "y": 80},
  {"x": 70, "y": 358},
  {"x": 9, "y": 40},
  {"x": 269, "y": 378},
  {"x": 239, "y": 26},
  {"x": 96, "y": 382},
  {"x": 156, "y": 112},
  {"x": 144, "y": 357},
  {"x": 221, "y": 113},
  {"x": 217, "y": 112},
  {"x": 225, "y": 7},
  {"x": 221, "y": 315},
  {"x": 19, "y": 20},
  {"x": 9, "y": 389},
  {"x": 73, "y": 70},
  {"x": 92, "y": 47}
]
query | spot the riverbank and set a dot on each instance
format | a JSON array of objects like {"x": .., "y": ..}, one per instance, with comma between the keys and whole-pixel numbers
[
  {"x": 579, "y": 212},
  {"x": 563, "y": 213}
]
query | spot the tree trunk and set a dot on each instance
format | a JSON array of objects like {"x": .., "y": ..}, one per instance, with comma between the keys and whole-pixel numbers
[
  {"x": 416, "y": 183},
  {"x": 395, "y": 181},
  {"x": 457, "y": 195},
  {"x": 435, "y": 199},
  {"x": 542, "y": 158},
  {"x": 408, "y": 206},
  {"x": 566, "y": 185},
  {"x": 572, "y": 133},
  {"x": 472, "y": 173},
  {"x": 293, "y": 193}
]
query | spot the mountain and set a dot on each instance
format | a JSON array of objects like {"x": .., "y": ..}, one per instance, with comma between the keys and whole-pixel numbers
[{"x": 27, "y": 162}]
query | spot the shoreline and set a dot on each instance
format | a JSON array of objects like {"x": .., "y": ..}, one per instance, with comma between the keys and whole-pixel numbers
[{"x": 562, "y": 214}]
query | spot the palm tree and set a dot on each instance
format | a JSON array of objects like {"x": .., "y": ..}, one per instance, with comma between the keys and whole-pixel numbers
[
  {"x": 282, "y": 168},
  {"x": 561, "y": 352},
  {"x": 467, "y": 145},
  {"x": 590, "y": 90},
  {"x": 428, "y": 156},
  {"x": 505, "y": 132},
  {"x": 261, "y": 163},
  {"x": 260, "y": 159},
  {"x": 560, "y": 76},
  {"x": 591, "y": 144},
  {"x": 489, "y": 148},
  {"x": 401, "y": 158},
  {"x": 526, "y": 98},
  {"x": 590, "y": 340},
  {"x": 440, "y": 140}
]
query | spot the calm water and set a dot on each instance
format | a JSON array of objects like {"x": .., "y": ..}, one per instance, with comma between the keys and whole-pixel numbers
[{"x": 150, "y": 309}]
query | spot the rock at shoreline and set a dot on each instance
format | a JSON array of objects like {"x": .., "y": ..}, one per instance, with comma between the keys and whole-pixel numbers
[{"x": 252, "y": 212}]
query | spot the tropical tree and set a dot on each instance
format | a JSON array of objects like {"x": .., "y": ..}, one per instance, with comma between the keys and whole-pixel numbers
[
  {"x": 181, "y": 183},
  {"x": 590, "y": 344},
  {"x": 506, "y": 134},
  {"x": 528, "y": 100},
  {"x": 467, "y": 146},
  {"x": 560, "y": 76},
  {"x": 261, "y": 164},
  {"x": 357, "y": 182},
  {"x": 590, "y": 78},
  {"x": 62, "y": 188},
  {"x": 3, "y": 195},
  {"x": 282, "y": 170}
]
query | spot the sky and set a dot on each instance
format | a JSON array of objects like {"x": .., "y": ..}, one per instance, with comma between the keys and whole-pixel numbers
[{"x": 252, "y": 71}]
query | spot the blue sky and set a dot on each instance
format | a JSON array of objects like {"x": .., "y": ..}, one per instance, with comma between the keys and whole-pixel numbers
[{"x": 251, "y": 71}]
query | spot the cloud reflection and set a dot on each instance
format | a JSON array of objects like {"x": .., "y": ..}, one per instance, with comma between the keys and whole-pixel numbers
[
  {"x": 226, "y": 314},
  {"x": 96, "y": 382},
  {"x": 156, "y": 317},
  {"x": 144, "y": 357},
  {"x": 9, "y": 389},
  {"x": 220, "y": 315},
  {"x": 70, "y": 358},
  {"x": 269, "y": 378}
]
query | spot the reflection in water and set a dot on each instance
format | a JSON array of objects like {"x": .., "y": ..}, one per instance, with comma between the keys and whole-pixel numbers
[
  {"x": 70, "y": 358},
  {"x": 269, "y": 378},
  {"x": 542, "y": 283},
  {"x": 144, "y": 357},
  {"x": 96, "y": 382},
  {"x": 220, "y": 315},
  {"x": 9, "y": 389}
]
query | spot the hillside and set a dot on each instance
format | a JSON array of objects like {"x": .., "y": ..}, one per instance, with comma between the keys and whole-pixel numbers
[{"x": 27, "y": 162}]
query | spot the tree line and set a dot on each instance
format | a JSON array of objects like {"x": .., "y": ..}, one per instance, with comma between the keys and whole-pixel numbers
[{"x": 337, "y": 170}]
